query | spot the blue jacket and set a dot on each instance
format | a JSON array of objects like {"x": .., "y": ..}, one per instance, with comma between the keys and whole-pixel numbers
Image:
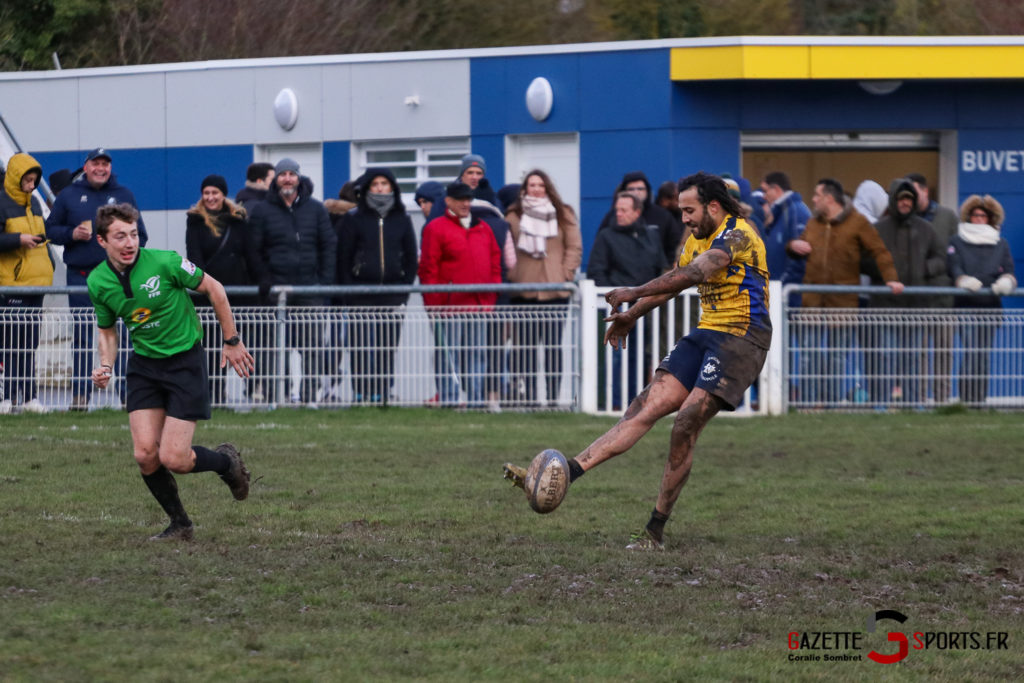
[
  {"x": 789, "y": 218},
  {"x": 78, "y": 202}
]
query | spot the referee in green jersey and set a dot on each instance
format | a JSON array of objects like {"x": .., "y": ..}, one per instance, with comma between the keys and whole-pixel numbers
[{"x": 167, "y": 378}]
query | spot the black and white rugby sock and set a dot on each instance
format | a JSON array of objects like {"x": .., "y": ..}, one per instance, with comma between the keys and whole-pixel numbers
[
  {"x": 575, "y": 470},
  {"x": 656, "y": 526},
  {"x": 210, "y": 461},
  {"x": 163, "y": 487}
]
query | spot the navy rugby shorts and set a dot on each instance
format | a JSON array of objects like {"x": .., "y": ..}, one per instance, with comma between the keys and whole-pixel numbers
[{"x": 721, "y": 364}]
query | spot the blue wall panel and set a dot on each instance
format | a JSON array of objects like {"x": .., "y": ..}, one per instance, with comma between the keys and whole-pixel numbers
[
  {"x": 705, "y": 149},
  {"x": 54, "y": 161},
  {"x": 563, "y": 72},
  {"x": 145, "y": 173},
  {"x": 991, "y": 161},
  {"x": 487, "y": 97},
  {"x": 838, "y": 105},
  {"x": 625, "y": 90},
  {"x": 184, "y": 170},
  {"x": 708, "y": 104},
  {"x": 990, "y": 104},
  {"x": 337, "y": 167},
  {"x": 164, "y": 178},
  {"x": 608, "y": 155}
]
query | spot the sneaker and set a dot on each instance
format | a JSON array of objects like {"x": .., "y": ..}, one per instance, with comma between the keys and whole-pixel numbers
[
  {"x": 434, "y": 402},
  {"x": 493, "y": 406},
  {"x": 6, "y": 407},
  {"x": 175, "y": 532},
  {"x": 34, "y": 406},
  {"x": 516, "y": 474},
  {"x": 644, "y": 541},
  {"x": 237, "y": 477},
  {"x": 79, "y": 403}
]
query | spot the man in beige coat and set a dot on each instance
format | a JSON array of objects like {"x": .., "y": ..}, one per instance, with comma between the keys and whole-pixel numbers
[{"x": 832, "y": 243}]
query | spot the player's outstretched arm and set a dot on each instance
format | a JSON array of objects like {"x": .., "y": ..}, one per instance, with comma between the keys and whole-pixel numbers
[
  {"x": 674, "y": 281},
  {"x": 107, "y": 340},
  {"x": 234, "y": 354}
]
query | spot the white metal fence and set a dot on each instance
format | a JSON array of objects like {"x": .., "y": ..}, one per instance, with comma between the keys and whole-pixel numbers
[
  {"x": 536, "y": 357},
  {"x": 511, "y": 357},
  {"x": 904, "y": 358}
]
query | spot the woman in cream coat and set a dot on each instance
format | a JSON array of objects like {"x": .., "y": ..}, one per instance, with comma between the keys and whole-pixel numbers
[{"x": 549, "y": 248}]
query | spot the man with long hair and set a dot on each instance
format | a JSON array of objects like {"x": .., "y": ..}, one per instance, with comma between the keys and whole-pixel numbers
[{"x": 710, "y": 368}]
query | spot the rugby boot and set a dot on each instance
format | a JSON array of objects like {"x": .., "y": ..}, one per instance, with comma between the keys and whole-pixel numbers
[
  {"x": 176, "y": 531},
  {"x": 516, "y": 474},
  {"x": 237, "y": 477},
  {"x": 645, "y": 541}
]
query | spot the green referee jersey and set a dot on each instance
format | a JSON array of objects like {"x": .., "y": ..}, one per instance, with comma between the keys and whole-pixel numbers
[{"x": 151, "y": 298}]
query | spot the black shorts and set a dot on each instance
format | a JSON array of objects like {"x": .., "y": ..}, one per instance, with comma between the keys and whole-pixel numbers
[
  {"x": 180, "y": 384},
  {"x": 721, "y": 364}
]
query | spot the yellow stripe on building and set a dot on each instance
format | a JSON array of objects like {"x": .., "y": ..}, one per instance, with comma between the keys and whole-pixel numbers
[{"x": 857, "y": 62}]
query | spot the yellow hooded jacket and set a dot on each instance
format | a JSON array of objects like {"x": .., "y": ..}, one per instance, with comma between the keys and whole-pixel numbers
[{"x": 20, "y": 213}]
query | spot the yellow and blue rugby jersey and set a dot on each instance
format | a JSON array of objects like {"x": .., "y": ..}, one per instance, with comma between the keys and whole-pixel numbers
[{"x": 735, "y": 299}]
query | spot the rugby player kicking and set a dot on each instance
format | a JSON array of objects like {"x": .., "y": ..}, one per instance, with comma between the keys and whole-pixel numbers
[
  {"x": 710, "y": 368},
  {"x": 167, "y": 378}
]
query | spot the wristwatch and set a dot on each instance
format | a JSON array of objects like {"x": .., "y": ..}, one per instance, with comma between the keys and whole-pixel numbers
[{"x": 233, "y": 341}]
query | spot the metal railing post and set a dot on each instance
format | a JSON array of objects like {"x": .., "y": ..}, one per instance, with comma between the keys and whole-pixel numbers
[
  {"x": 282, "y": 344},
  {"x": 588, "y": 346}
]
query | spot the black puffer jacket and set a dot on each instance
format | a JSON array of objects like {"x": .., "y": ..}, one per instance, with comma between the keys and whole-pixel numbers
[
  {"x": 919, "y": 257},
  {"x": 291, "y": 245},
  {"x": 223, "y": 256},
  {"x": 374, "y": 250},
  {"x": 626, "y": 256},
  {"x": 670, "y": 231}
]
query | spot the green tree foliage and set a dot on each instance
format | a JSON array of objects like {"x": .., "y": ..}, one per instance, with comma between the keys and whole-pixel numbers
[{"x": 116, "y": 32}]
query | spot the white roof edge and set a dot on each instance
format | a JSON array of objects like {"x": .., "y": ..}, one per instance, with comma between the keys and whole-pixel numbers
[{"x": 617, "y": 46}]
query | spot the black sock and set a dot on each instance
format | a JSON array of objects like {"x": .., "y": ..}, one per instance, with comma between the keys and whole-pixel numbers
[
  {"x": 575, "y": 471},
  {"x": 210, "y": 461},
  {"x": 163, "y": 487},
  {"x": 657, "y": 524}
]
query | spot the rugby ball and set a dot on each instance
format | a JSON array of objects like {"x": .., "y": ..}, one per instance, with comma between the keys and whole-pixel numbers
[{"x": 547, "y": 480}]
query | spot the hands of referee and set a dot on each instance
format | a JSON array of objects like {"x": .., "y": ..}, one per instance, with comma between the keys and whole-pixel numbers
[
  {"x": 239, "y": 358},
  {"x": 101, "y": 376}
]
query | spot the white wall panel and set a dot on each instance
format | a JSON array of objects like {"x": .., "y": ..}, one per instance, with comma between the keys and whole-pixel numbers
[
  {"x": 307, "y": 84},
  {"x": 337, "y": 109},
  {"x": 123, "y": 111},
  {"x": 211, "y": 107},
  {"x": 379, "y": 92},
  {"x": 166, "y": 230},
  {"x": 42, "y": 114}
]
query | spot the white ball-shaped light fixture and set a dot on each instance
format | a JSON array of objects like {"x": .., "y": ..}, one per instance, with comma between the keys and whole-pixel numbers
[
  {"x": 539, "y": 98},
  {"x": 286, "y": 108},
  {"x": 880, "y": 87}
]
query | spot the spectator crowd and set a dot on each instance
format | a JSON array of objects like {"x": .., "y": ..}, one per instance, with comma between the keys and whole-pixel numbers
[{"x": 274, "y": 232}]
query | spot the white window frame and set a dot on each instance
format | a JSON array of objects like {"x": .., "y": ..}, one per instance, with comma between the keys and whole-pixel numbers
[{"x": 424, "y": 149}]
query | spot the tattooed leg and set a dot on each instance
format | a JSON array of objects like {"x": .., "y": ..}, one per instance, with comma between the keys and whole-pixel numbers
[
  {"x": 662, "y": 396},
  {"x": 697, "y": 411}
]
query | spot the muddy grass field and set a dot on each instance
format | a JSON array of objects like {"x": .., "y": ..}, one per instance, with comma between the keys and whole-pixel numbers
[{"x": 384, "y": 545}]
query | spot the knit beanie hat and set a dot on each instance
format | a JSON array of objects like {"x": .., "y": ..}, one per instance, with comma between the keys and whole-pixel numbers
[
  {"x": 471, "y": 160},
  {"x": 286, "y": 164},
  {"x": 215, "y": 181}
]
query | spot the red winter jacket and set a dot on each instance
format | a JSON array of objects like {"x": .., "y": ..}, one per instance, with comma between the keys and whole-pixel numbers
[{"x": 452, "y": 254}]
